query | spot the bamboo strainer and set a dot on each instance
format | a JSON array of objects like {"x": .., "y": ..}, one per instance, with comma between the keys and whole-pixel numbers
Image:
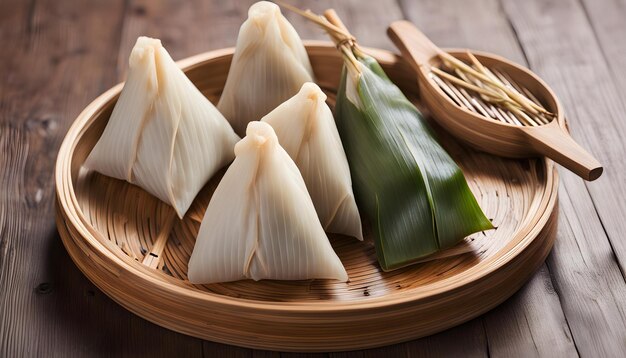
[{"x": 132, "y": 247}]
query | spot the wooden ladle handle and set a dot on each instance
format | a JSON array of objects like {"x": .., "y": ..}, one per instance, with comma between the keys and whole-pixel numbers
[
  {"x": 552, "y": 141},
  {"x": 415, "y": 47}
]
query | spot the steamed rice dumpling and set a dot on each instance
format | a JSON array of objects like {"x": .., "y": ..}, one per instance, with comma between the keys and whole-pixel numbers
[
  {"x": 261, "y": 223},
  {"x": 163, "y": 135},
  {"x": 306, "y": 129},
  {"x": 269, "y": 66}
]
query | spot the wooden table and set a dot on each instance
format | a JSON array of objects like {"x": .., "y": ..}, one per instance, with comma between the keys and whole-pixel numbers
[{"x": 58, "y": 55}]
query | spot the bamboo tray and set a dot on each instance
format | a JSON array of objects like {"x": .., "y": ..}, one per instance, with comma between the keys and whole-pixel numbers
[{"x": 135, "y": 250}]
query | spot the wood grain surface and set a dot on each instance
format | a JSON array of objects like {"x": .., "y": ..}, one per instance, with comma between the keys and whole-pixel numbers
[{"x": 59, "y": 55}]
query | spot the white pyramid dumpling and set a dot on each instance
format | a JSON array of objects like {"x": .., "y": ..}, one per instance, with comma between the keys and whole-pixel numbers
[
  {"x": 163, "y": 134},
  {"x": 269, "y": 66},
  {"x": 261, "y": 223},
  {"x": 306, "y": 129}
]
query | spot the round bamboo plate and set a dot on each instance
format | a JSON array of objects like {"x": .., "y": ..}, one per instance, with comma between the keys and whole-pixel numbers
[{"x": 134, "y": 249}]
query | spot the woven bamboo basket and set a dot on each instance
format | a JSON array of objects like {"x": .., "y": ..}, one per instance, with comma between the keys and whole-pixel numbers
[{"x": 135, "y": 249}]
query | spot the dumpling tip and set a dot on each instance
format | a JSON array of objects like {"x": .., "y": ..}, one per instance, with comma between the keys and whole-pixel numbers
[
  {"x": 312, "y": 92},
  {"x": 263, "y": 8},
  {"x": 144, "y": 48},
  {"x": 257, "y": 135},
  {"x": 263, "y": 12}
]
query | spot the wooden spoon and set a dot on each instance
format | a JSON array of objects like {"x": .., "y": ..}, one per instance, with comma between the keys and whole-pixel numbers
[{"x": 498, "y": 133}]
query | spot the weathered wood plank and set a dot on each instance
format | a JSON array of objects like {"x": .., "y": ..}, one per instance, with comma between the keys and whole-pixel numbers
[
  {"x": 353, "y": 354},
  {"x": 212, "y": 349},
  {"x": 561, "y": 47},
  {"x": 467, "y": 340},
  {"x": 303, "y": 355},
  {"x": 532, "y": 322},
  {"x": 185, "y": 30},
  {"x": 58, "y": 56},
  {"x": 482, "y": 26},
  {"x": 62, "y": 54},
  {"x": 609, "y": 25},
  {"x": 607, "y": 18},
  {"x": 265, "y": 354},
  {"x": 396, "y": 350}
]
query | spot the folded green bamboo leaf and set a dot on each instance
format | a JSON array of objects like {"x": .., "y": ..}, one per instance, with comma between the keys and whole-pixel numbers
[{"x": 407, "y": 184}]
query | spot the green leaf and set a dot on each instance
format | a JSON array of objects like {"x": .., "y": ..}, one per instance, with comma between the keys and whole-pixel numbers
[{"x": 404, "y": 180}]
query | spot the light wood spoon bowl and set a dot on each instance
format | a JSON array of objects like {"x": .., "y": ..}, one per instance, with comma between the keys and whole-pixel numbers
[{"x": 487, "y": 134}]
